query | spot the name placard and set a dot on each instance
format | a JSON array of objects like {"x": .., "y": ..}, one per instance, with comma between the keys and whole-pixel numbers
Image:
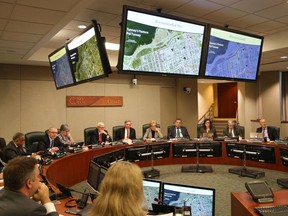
[{"x": 94, "y": 101}]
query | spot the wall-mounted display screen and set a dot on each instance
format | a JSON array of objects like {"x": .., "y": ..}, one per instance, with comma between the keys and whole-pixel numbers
[
  {"x": 233, "y": 55},
  {"x": 154, "y": 43},
  {"x": 61, "y": 68},
  {"x": 87, "y": 55}
]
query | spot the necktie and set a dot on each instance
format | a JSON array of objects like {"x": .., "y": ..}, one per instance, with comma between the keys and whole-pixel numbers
[
  {"x": 178, "y": 132},
  {"x": 100, "y": 137},
  {"x": 52, "y": 144},
  {"x": 128, "y": 134}
]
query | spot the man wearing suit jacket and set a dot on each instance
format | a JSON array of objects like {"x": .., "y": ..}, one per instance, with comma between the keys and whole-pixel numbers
[
  {"x": 49, "y": 141},
  {"x": 178, "y": 131},
  {"x": 268, "y": 132},
  {"x": 100, "y": 135},
  {"x": 14, "y": 148},
  {"x": 21, "y": 182},
  {"x": 232, "y": 130},
  {"x": 127, "y": 132}
]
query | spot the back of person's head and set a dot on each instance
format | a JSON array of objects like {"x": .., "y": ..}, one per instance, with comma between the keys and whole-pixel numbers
[
  {"x": 121, "y": 192},
  {"x": 17, "y": 136},
  {"x": 17, "y": 171}
]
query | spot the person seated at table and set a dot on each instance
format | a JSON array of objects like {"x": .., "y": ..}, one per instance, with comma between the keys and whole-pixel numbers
[
  {"x": 121, "y": 192},
  {"x": 178, "y": 131},
  {"x": 152, "y": 132},
  {"x": 207, "y": 128},
  {"x": 231, "y": 130},
  {"x": 65, "y": 136},
  {"x": 14, "y": 148},
  {"x": 127, "y": 132},
  {"x": 269, "y": 132},
  {"x": 49, "y": 142},
  {"x": 100, "y": 135},
  {"x": 23, "y": 192}
]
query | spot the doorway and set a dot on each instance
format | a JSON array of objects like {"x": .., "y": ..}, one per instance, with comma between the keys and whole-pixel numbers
[{"x": 227, "y": 100}]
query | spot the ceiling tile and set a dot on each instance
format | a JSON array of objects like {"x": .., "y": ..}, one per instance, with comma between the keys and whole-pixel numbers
[
  {"x": 21, "y": 37},
  {"x": 5, "y": 10},
  {"x": 198, "y": 8},
  {"x": 283, "y": 19},
  {"x": 65, "y": 34},
  {"x": 13, "y": 51},
  {"x": 35, "y": 15},
  {"x": 109, "y": 30},
  {"x": 255, "y": 5},
  {"x": 275, "y": 12},
  {"x": 2, "y": 23},
  {"x": 266, "y": 26},
  {"x": 25, "y": 27},
  {"x": 245, "y": 21},
  {"x": 225, "y": 2},
  {"x": 8, "y": 1},
  {"x": 115, "y": 22},
  {"x": 15, "y": 44},
  {"x": 101, "y": 17},
  {"x": 101, "y": 5},
  {"x": 166, "y": 5},
  {"x": 73, "y": 25},
  {"x": 224, "y": 15},
  {"x": 63, "y": 5}
]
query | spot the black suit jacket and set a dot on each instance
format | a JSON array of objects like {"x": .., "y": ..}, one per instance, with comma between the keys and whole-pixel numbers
[
  {"x": 272, "y": 132},
  {"x": 15, "y": 203},
  {"x": 44, "y": 144},
  {"x": 120, "y": 133},
  {"x": 94, "y": 139},
  {"x": 172, "y": 132},
  {"x": 11, "y": 151}
]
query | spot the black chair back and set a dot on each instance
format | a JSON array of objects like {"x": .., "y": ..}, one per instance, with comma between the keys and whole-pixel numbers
[
  {"x": 32, "y": 140},
  {"x": 88, "y": 133},
  {"x": 145, "y": 126},
  {"x": 114, "y": 129}
]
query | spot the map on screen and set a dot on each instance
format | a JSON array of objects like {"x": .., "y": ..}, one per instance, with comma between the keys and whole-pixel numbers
[
  {"x": 161, "y": 45},
  {"x": 233, "y": 55},
  {"x": 151, "y": 191}
]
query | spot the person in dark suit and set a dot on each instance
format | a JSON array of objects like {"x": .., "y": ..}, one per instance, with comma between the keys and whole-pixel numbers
[
  {"x": 127, "y": 132},
  {"x": 14, "y": 148},
  {"x": 207, "y": 127},
  {"x": 21, "y": 182},
  {"x": 267, "y": 131},
  {"x": 100, "y": 135},
  {"x": 178, "y": 131},
  {"x": 232, "y": 131},
  {"x": 49, "y": 141}
]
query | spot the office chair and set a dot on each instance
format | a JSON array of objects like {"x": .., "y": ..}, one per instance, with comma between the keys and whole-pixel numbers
[
  {"x": 277, "y": 130},
  {"x": 114, "y": 129},
  {"x": 87, "y": 134},
  {"x": 145, "y": 126},
  {"x": 32, "y": 140},
  {"x": 242, "y": 130},
  {"x": 168, "y": 128}
]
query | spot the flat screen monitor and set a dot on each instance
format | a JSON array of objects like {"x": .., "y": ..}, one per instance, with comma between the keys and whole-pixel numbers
[
  {"x": 61, "y": 68},
  {"x": 233, "y": 55},
  {"x": 102, "y": 174},
  {"x": 88, "y": 55},
  {"x": 201, "y": 200},
  {"x": 104, "y": 160},
  {"x": 154, "y": 43},
  {"x": 134, "y": 154},
  {"x": 93, "y": 175},
  {"x": 152, "y": 191}
]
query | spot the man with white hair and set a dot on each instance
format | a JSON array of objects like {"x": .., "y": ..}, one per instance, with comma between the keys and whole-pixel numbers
[
  {"x": 100, "y": 135},
  {"x": 231, "y": 130}
]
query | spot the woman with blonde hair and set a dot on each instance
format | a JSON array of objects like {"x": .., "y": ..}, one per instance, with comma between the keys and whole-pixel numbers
[{"x": 121, "y": 192}]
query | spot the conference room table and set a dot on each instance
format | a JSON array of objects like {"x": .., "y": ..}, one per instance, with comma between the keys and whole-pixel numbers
[{"x": 73, "y": 168}]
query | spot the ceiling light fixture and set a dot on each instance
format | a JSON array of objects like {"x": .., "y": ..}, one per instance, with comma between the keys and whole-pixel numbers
[
  {"x": 112, "y": 46},
  {"x": 82, "y": 26},
  {"x": 284, "y": 57}
]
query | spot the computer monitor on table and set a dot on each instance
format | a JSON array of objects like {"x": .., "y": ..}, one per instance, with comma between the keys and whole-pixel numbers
[
  {"x": 152, "y": 192},
  {"x": 200, "y": 199},
  {"x": 93, "y": 175}
]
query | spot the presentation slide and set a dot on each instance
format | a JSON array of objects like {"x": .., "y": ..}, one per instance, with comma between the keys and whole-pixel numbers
[
  {"x": 151, "y": 191},
  {"x": 61, "y": 68},
  {"x": 233, "y": 55},
  {"x": 163, "y": 45}
]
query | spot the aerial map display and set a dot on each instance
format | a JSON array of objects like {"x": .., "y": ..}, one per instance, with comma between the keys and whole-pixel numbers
[
  {"x": 200, "y": 200},
  {"x": 61, "y": 68},
  {"x": 151, "y": 191},
  {"x": 85, "y": 56},
  {"x": 161, "y": 45},
  {"x": 232, "y": 55}
]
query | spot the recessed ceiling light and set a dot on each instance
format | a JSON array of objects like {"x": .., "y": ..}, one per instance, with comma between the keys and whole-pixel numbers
[
  {"x": 112, "y": 46},
  {"x": 82, "y": 26},
  {"x": 284, "y": 57}
]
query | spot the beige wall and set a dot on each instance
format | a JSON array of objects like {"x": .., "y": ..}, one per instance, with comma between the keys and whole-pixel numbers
[
  {"x": 30, "y": 102},
  {"x": 205, "y": 98}
]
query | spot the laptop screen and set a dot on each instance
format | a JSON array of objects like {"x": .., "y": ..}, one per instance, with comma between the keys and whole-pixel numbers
[{"x": 151, "y": 191}]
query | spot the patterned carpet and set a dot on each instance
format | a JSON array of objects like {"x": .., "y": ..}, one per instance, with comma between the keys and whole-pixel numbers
[{"x": 220, "y": 179}]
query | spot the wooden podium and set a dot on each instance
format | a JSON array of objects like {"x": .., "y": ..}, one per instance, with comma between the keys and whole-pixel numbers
[{"x": 242, "y": 204}]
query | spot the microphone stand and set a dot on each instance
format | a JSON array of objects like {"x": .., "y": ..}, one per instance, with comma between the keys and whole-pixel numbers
[{"x": 153, "y": 173}]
